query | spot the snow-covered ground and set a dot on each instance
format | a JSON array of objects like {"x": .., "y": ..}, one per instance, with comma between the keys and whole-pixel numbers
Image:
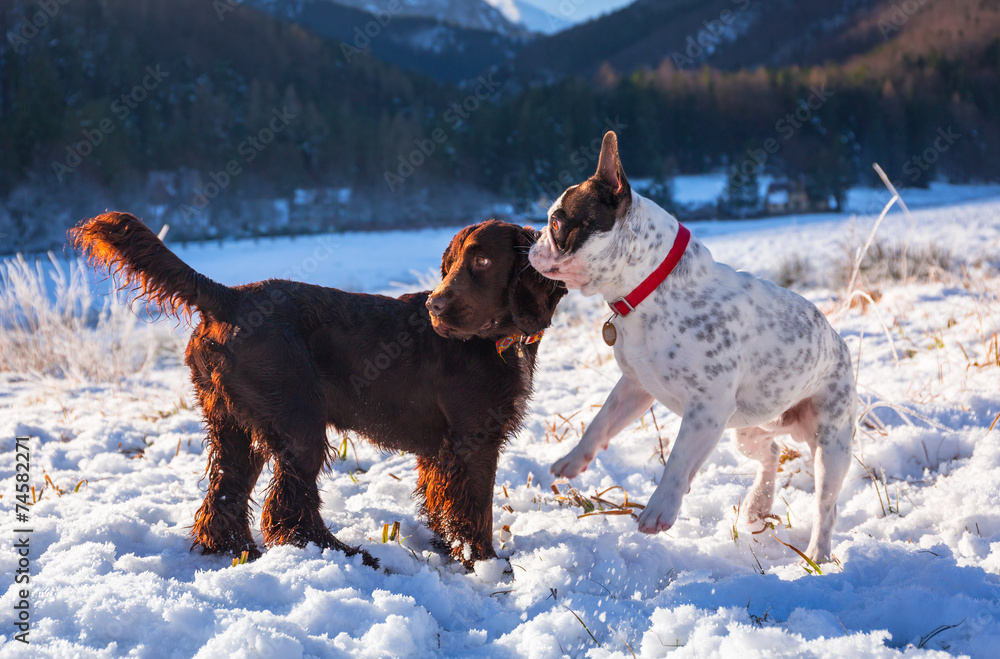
[{"x": 918, "y": 551}]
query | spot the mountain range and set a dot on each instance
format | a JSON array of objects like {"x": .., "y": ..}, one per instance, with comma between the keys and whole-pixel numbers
[
  {"x": 450, "y": 40},
  {"x": 745, "y": 34},
  {"x": 456, "y": 40},
  {"x": 471, "y": 98}
]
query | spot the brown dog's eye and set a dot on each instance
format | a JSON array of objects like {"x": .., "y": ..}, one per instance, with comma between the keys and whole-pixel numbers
[
  {"x": 555, "y": 225},
  {"x": 481, "y": 262}
]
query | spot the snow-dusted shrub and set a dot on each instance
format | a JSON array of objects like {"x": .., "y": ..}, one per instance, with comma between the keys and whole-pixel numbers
[
  {"x": 50, "y": 325},
  {"x": 794, "y": 272},
  {"x": 897, "y": 263},
  {"x": 886, "y": 262},
  {"x": 426, "y": 280}
]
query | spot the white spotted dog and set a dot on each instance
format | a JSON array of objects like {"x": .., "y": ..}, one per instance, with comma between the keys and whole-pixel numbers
[{"x": 720, "y": 348}]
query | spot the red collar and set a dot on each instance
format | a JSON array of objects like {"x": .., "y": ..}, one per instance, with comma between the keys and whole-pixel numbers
[{"x": 623, "y": 306}]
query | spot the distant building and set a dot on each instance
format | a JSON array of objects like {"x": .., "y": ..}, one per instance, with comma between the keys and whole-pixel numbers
[{"x": 784, "y": 196}]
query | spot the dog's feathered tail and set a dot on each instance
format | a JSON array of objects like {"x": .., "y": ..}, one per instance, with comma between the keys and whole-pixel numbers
[{"x": 138, "y": 260}]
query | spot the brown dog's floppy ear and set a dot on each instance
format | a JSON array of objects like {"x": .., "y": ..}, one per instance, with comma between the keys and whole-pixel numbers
[
  {"x": 533, "y": 298},
  {"x": 454, "y": 249}
]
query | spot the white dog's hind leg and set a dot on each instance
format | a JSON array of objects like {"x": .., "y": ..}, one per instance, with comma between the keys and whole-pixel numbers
[
  {"x": 758, "y": 444},
  {"x": 626, "y": 402},
  {"x": 832, "y": 459},
  {"x": 834, "y": 410},
  {"x": 700, "y": 432}
]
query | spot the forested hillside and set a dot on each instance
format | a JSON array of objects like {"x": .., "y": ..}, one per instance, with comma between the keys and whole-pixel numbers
[
  {"x": 167, "y": 109},
  {"x": 838, "y": 85},
  {"x": 221, "y": 79}
]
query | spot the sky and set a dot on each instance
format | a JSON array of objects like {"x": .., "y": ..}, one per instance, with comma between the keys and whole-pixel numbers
[{"x": 578, "y": 10}]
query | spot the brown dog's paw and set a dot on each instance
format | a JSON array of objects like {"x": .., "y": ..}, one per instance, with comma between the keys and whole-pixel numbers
[
  {"x": 253, "y": 553},
  {"x": 440, "y": 545},
  {"x": 235, "y": 549},
  {"x": 478, "y": 553}
]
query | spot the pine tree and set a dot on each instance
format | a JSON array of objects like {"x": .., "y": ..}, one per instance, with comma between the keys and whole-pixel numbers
[{"x": 741, "y": 197}]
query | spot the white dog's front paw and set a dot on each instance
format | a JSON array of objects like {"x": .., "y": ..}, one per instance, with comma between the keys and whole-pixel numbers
[
  {"x": 759, "y": 512},
  {"x": 659, "y": 515},
  {"x": 818, "y": 554},
  {"x": 572, "y": 465}
]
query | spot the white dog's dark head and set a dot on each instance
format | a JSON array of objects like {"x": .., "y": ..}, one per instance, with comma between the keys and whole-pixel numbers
[{"x": 580, "y": 238}]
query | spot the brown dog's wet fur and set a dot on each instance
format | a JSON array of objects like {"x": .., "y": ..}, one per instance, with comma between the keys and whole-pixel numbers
[{"x": 276, "y": 362}]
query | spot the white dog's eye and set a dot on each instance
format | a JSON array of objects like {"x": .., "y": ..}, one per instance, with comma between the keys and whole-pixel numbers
[{"x": 481, "y": 262}]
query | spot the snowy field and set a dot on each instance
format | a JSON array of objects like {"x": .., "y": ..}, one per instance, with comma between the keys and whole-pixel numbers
[{"x": 118, "y": 460}]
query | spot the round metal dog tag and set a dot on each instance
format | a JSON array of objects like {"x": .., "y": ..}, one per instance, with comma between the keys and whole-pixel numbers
[{"x": 609, "y": 333}]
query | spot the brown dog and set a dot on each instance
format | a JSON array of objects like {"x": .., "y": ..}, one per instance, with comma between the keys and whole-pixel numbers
[{"x": 276, "y": 362}]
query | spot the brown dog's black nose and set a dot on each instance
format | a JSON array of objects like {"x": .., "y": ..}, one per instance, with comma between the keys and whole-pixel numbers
[{"x": 436, "y": 305}]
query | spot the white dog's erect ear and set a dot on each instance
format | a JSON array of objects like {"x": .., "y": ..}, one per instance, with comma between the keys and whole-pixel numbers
[{"x": 609, "y": 165}]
